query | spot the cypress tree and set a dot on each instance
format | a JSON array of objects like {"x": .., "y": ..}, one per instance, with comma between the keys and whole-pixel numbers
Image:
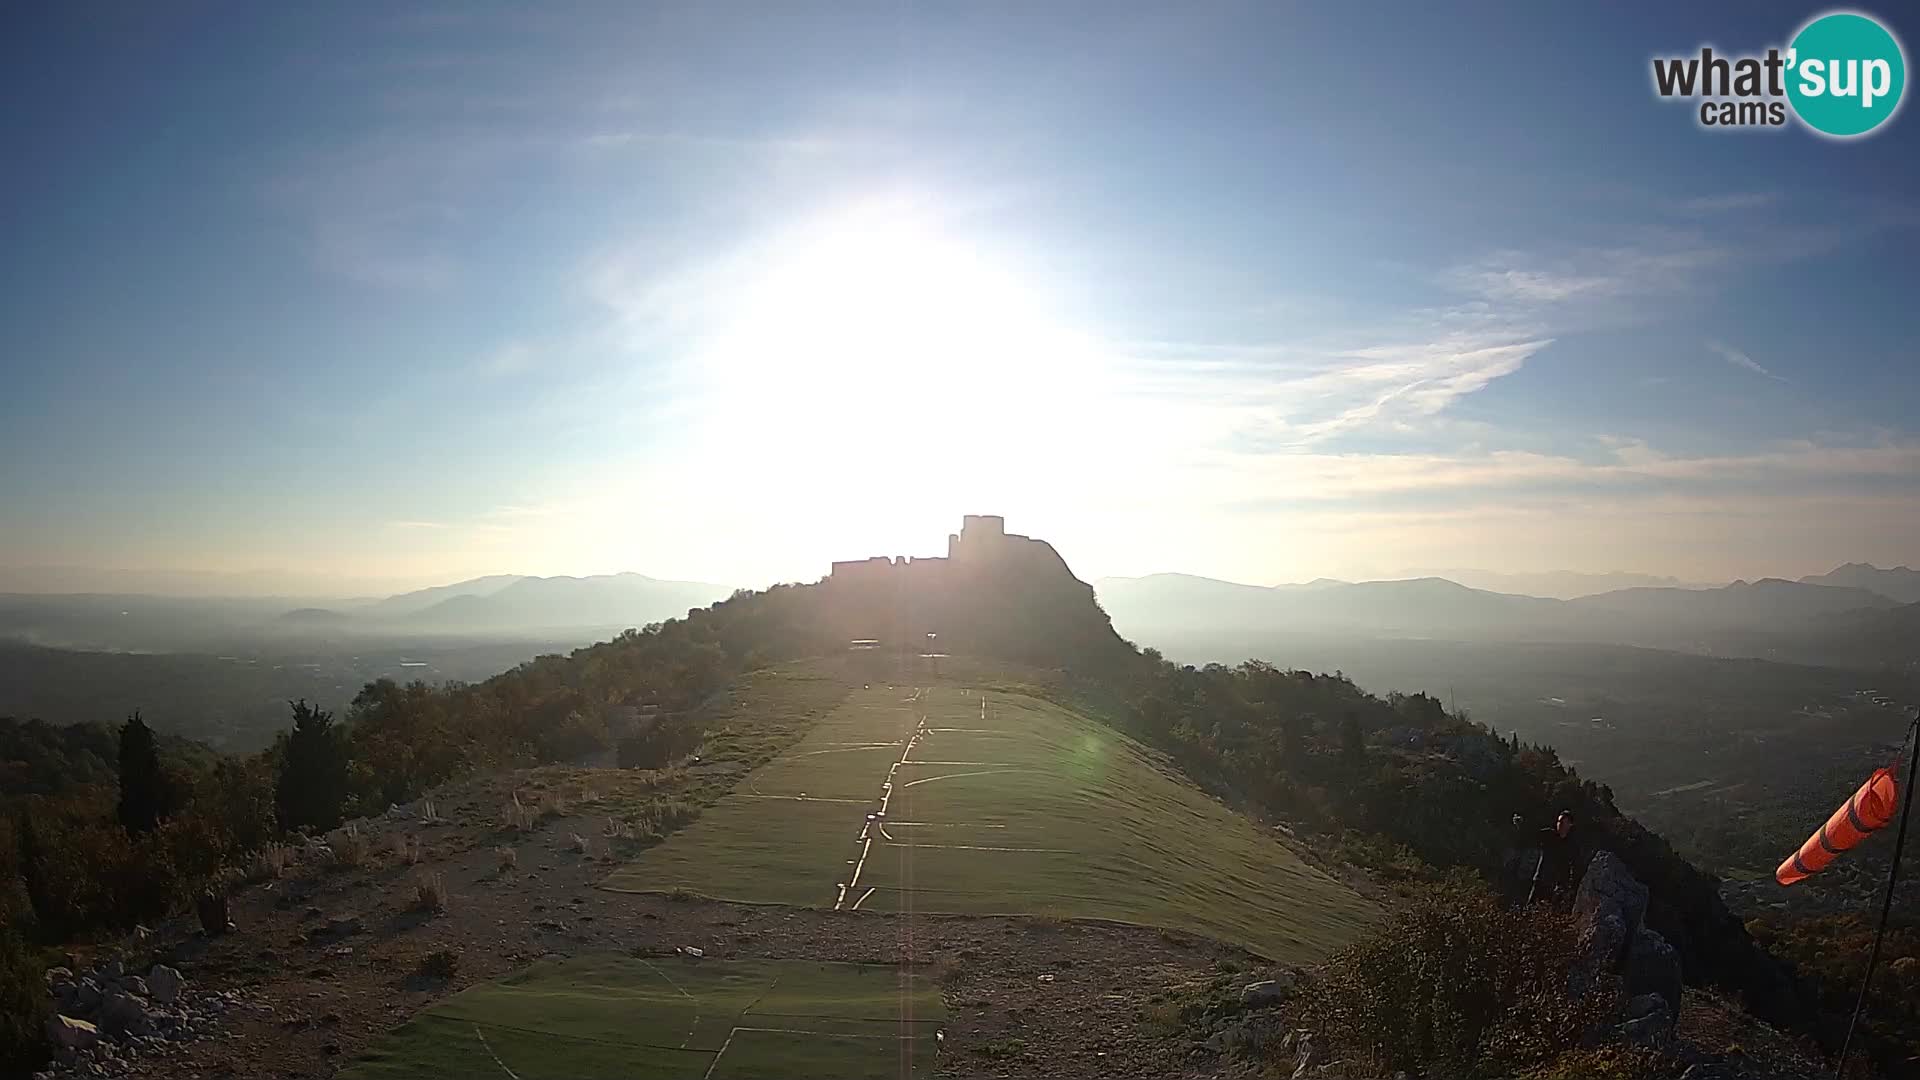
[
  {"x": 312, "y": 788},
  {"x": 144, "y": 793}
]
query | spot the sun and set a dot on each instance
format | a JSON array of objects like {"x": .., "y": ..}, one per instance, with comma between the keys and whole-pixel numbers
[{"x": 878, "y": 336}]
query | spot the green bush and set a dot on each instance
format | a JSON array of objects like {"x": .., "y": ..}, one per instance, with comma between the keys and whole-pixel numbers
[
  {"x": 23, "y": 1007},
  {"x": 1608, "y": 1063},
  {"x": 1457, "y": 982},
  {"x": 659, "y": 744},
  {"x": 575, "y": 737}
]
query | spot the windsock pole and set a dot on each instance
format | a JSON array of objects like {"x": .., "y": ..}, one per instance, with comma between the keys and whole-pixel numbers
[{"x": 1886, "y": 902}]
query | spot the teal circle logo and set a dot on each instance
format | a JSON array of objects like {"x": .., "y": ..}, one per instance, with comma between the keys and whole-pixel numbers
[{"x": 1846, "y": 74}]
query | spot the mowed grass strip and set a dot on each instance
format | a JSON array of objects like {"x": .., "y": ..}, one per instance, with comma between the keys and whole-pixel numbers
[
  {"x": 615, "y": 1016},
  {"x": 1027, "y": 809},
  {"x": 787, "y": 834}
]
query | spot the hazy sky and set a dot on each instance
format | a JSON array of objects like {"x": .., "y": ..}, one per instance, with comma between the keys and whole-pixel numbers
[{"x": 723, "y": 291}]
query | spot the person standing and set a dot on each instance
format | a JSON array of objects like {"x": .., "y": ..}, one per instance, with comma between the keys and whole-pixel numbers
[{"x": 1553, "y": 875}]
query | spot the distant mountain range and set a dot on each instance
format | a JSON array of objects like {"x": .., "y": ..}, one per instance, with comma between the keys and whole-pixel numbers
[
  {"x": 1556, "y": 584},
  {"x": 505, "y": 603},
  {"x": 1855, "y": 615},
  {"x": 1899, "y": 583},
  {"x": 1771, "y": 617},
  {"x": 409, "y": 603},
  {"x": 555, "y": 610}
]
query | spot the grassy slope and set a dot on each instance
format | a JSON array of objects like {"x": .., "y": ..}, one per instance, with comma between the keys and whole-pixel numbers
[
  {"x": 610, "y": 1016},
  {"x": 1030, "y": 809}
]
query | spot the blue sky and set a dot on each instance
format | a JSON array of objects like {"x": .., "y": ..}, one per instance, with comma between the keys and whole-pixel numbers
[{"x": 367, "y": 295}]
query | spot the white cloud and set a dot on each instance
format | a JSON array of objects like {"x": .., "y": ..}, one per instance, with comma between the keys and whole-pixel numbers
[
  {"x": 1650, "y": 262},
  {"x": 1741, "y": 360}
]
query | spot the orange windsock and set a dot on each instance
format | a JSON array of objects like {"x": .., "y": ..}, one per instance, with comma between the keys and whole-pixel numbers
[{"x": 1871, "y": 808}]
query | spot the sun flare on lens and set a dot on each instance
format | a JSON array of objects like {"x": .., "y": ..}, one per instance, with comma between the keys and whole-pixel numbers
[{"x": 875, "y": 338}]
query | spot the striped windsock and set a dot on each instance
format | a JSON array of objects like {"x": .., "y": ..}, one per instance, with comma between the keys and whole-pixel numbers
[{"x": 1870, "y": 809}]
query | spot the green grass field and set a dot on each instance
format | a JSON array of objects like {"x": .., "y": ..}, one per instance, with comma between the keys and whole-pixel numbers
[
  {"x": 998, "y": 805},
  {"x": 667, "y": 1019}
]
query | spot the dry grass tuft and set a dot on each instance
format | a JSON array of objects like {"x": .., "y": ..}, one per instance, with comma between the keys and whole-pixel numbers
[
  {"x": 517, "y": 816},
  {"x": 352, "y": 849},
  {"x": 430, "y": 893},
  {"x": 408, "y": 849},
  {"x": 269, "y": 863}
]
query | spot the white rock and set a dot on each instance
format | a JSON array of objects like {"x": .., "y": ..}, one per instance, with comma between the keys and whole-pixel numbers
[
  {"x": 1264, "y": 992},
  {"x": 69, "y": 1034}
]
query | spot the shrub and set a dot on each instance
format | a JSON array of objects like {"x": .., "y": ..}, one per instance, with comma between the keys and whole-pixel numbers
[
  {"x": 577, "y": 736},
  {"x": 352, "y": 849},
  {"x": 439, "y": 964},
  {"x": 659, "y": 744},
  {"x": 23, "y": 1008},
  {"x": 1608, "y": 1063},
  {"x": 430, "y": 893},
  {"x": 579, "y": 844},
  {"x": 269, "y": 863},
  {"x": 407, "y": 849},
  {"x": 1458, "y": 982},
  {"x": 517, "y": 816}
]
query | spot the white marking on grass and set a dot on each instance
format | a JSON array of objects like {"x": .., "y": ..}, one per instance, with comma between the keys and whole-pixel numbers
[
  {"x": 823, "y": 1034},
  {"x": 978, "y": 847},
  {"x": 695, "y": 1026},
  {"x": 718, "y": 1054},
  {"x": 496, "y": 1057},
  {"x": 958, "y": 775},
  {"x": 886, "y": 794},
  {"x": 863, "y": 898},
  {"x": 849, "y": 748}
]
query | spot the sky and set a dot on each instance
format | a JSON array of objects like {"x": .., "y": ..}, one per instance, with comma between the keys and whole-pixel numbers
[{"x": 349, "y": 296}]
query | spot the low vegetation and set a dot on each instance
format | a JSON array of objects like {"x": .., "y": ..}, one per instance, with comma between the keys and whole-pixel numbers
[
  {"x": 1461, "y": 985},
  {"x": 430, "y": 893},
  {"x": 1830, "y": 952}
]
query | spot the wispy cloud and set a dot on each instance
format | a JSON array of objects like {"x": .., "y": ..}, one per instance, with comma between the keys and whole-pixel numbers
[
  {"x": 1655, "y": 262},
  {"x": 1730, "y": 202},
  {"x": 1741, "y": 360}
]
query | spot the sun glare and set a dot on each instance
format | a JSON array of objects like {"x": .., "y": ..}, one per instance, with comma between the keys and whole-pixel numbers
[{"x": 876, "y": 336}]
